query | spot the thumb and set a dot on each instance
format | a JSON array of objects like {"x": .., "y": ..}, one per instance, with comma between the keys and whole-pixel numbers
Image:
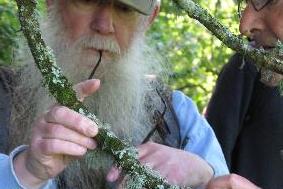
[{"x": 86, "y": 88}]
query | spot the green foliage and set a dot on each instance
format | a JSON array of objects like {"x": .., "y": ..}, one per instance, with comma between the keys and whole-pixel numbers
[
  {"x": 195, "y": 55},
  {"x": 8, "y": 27}
]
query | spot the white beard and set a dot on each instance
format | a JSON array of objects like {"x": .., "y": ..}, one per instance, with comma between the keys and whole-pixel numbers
[
  {"x": 120, "y": 101},
  {"x": 121, "y": 97}
]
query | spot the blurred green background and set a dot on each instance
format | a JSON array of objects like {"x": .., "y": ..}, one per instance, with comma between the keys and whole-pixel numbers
[{"x": 196, "y": 56}]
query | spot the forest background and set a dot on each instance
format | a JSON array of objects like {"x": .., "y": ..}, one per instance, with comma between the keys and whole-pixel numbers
[{"x": 195, "y": 55}]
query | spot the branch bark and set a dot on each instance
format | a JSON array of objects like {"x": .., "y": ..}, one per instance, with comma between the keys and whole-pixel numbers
[
  {"x": 270, "y": 60},
  {"x": 61, "y": 89}
]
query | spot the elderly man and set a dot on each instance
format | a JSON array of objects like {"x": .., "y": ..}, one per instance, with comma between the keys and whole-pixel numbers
[
  {"x": 81, "y": 32},
  {"x": 252, "y": 130}
]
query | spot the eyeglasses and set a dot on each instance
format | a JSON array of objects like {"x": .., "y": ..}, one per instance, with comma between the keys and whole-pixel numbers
[{"x": 258, "y": 5}]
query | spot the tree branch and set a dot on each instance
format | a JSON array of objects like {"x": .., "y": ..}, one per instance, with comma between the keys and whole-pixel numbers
[
  {"x": 61, "y": 89},
  {"x": 191, "y": 85},
  {"x": 270, "y": 60}
]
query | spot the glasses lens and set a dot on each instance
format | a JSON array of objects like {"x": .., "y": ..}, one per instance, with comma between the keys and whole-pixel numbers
[
  {"x": 260, "y": 4},
  {"x": 242, "y": 4}
]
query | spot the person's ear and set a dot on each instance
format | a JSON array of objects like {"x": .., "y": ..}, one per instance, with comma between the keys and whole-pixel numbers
[
  {"x": 153, "y": 15},
  {"x": 49, "y": 3},
  {"x": 151, "y": 18}
]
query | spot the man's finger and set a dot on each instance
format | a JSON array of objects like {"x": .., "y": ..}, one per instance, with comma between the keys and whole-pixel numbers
[
  {"x": 60, "y": 147},
  {"x": 231, "y": 181},
  {"x": 86, "y": 88},
  {"x": 219, "y": 183},
  {"x": 113, "y": 174},
  {"x": 53, "y": 131},
  {"x": 64, "y": 116}
]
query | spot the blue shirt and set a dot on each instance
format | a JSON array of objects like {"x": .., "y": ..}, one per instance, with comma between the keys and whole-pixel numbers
[
  {"x": 193, "y": 126},
  {"x": 8, "y": 178},
  {"x": 202, "y": 140}
]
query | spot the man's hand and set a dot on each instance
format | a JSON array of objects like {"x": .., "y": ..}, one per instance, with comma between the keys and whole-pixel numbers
[
  {"x": 58, "y": 136},
  {"x": 231, "y": 181},
  {"x": 177, "y": 166}
]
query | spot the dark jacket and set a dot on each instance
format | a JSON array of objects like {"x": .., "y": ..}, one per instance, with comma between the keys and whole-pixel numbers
[
  {"x": 5, "y": 107},
  {"x": 247, "y": 117}
]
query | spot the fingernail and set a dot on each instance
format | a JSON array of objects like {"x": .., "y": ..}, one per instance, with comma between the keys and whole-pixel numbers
[
  {"x": 92, "y": 144},
  {"x": 82, "y": 150},
  {"x": 97, "y": 81},
  {"x": 93, "y": 130}
]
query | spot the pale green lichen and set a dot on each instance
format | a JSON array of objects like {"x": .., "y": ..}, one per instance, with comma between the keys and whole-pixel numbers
[
  {"x": 82, "y": 111},
  {"x": 131, "y": 151},
  {"x": 51, "y": 55},
  {"x": 56, "y": 76},
  {"x": 135, "y": 181},
  {"x": 159, "y": 187},
  {"x": 56, "y": 72}
]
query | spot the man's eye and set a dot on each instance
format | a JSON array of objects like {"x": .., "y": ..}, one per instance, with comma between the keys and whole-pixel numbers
[
  {"x": 82, "y": 2},
  {"x": 124, "y": 8},
  {"x": 273, "y": 2},
  {"x": 88, "y": 2}
]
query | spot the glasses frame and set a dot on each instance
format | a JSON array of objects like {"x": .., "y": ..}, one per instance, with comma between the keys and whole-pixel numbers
[{"x": 254, "y": 6}]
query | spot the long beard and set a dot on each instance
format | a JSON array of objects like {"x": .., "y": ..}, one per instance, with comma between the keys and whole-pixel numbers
[{"x": 120, "y": 101}]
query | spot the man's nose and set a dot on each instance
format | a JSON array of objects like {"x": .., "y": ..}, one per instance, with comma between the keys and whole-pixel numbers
[
  {"x": 102, "y": 21},
  {"x": 251, "y": 21}
]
